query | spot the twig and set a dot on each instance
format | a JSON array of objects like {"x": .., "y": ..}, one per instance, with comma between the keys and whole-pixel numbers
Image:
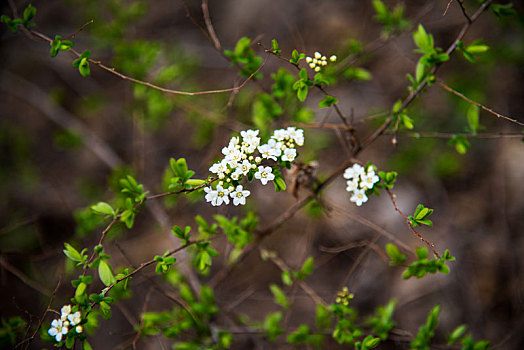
[
  {"x": 284, "y": 267},
  {"x": 498, "y": 115},
  {"x": 41, "y": 321},
  {"x": 443, "y": 135},
  {"x": 72, "y": 36},
  {"x": 413, "y": 94},
  {"x": 144, "y": 309},
  {"x": 408, "y": 222},
  {"x": 148, "y": 84},
  {"x": 209, "y": 26},
  {"x": 22, "y": 277},
  {"x": 357, "y": 262}
]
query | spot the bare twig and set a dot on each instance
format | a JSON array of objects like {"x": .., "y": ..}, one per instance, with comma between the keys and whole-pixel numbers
[
  {"x": 456, "y": 93},
  {"x": 408, "y": 222},
  {"x": 41, "y": 321},
  {"x": 413, "y": 94},
  {"x": 209, "y": 26},
  {"x": 72, "y": 36},
  {"x": 22, "y": 277}
]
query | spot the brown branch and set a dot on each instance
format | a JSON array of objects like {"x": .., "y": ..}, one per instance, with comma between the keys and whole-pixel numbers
[
  {"x": 148, "y": 84},
  {"x": 410, "y": 225},
  {"x": 72, "y": 36},
  {"x": 209, "y": 26},
  {"x": 443, "y": 135},
  {"x": 489, "y": 110},
  {"x": 41, "y": 321},
  {"x": 284, "y": 267},
  {"x": 22, "y": 277},
  {"x": 413, "y": 94}
]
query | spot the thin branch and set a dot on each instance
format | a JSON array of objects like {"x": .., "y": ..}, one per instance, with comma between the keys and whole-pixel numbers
[
  {"x": 413, "y": 94},
  {"x": 72, "y": 36},
  {"x": 148, "y": 84},
  {"x": 22, "y": 277},
  {"x": 41, "y": 321},
  {"x": 209, "y": 26},
  {"x": 284, "y": 267},
  {"x": 443, "y": 135},
  {"x": 456, "y": 93},
  {"x": 408, "y": 222}
]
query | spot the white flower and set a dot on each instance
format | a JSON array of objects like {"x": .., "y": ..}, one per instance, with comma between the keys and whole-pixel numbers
[
  {"x": 74, "y": 318},
  {"x": 221, "y": 196},
  {"x": 312, "y": 65},
  {"x": 352, "y": 185},
  {"x": 296, "y": 134},
  {"x": 79, "y": 329},
  {"x": 318, "y": 55},
  {"x": 280, "y": 134},
  {"x": 249, "y": 136},
  {"x": 309, "y": 59},
  {"x": 210, "y": 195},
  {"x": 236, "y": 174},
  {"x": 57, "y": 330},
  {"x": 264, "y": 174},
  {"x": 243, "y": 168},
  {"x": 239, "y": 195},
  {"x": 266, "y": 152},
  {"x": 275, "y": 147},
  {"x": 317, "y": 69},
  {"x": 359, "y": 197},
  {"x": 219, "y": 168},
  {"x": 289, "y": 154},
  {"x": 333, "y": 58},
  {"x": 353, "y": 172},
  {"x": 234, "y": 142},
  {"x": 66, "y": 310},
  {"x": 217, "y": 196},
  {"x": 234, "y": 158},
  {"x": 369, "y": 179}
]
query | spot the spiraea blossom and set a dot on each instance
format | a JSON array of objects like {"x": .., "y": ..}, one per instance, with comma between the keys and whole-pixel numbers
[
  {"x": 243, "y": 157},
  {"x": 358, "y": 181},
  {"x": 318, "y": 61},
  {"x": 60, "y": 327}
]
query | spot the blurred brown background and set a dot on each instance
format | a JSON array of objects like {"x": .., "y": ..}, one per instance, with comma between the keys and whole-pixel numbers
[{"x": 47, "y": 174}]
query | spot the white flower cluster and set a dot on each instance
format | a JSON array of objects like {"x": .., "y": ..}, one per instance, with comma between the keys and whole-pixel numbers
[
  {"x": 358, "y": 181},
  {"x": 318, "y": 61},
  {"x": 60, "y": 326},
  {"x": 244, "y": 155}
]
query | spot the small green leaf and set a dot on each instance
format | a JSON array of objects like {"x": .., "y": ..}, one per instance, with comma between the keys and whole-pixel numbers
[
  {"x": 105, "y": 273},
  {"x": 327, "y": 101},
  {"x": 280, "y": 296},
  {"x": 103, "y": 208}
]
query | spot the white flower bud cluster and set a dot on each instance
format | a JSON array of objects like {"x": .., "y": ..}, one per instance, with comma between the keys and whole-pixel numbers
[
  {"x": 244, "y": 155},
  {"x": 358, "y": 181},
  {"x": 318, "y": 61},
  {"x": 60, "y": 326}
]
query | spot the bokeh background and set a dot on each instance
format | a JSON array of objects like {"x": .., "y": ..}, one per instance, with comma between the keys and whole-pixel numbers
[{"x": 65, "y": 141}]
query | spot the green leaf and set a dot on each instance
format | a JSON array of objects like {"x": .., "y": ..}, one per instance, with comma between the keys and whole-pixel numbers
[
  {"x": 83, "y": 67},
  {"x": 103, "y": 208},
  {"x": 460, "y": 142},
  {"x": 423, "y": 40},
  {"x": 302, "y": 92},
  {"x": 421, "y": 252},
  {"x": 105, "y": 309},
  {"x": 280, "y": 296},
  {"x": 72, "y": 253},
  {"x": 307, "y": 267},
  {"x": 274, "y": 46},
  {"x": 473, "y": 118},
  {"x": 501, "y": 10},
  {"x": 286, "y": 278},
  {"x": 29, "y": 13},
  {"x": 105, "y": 273},
  {"x": 303, "y": 74},
  {"x": 327, "y": 101},
  {"x": 397, "y": 258}
]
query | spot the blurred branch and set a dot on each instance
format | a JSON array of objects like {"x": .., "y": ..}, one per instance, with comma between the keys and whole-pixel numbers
[
  {"x": 413, "y": 94},
  {"x": 408, "y": 222},
  {"x": 145, "y": 83},
  {"x": 443, "y": 135},
  {"x": 41, "y": 321},
  {"x": 461, "y": 4},
  {"x": 455, "y": 92},
  {"x": 209, "y": 26},
  {"x": 32, "y": 94},
  {"x": 284, "y": 267},
  {"x": 22, "y": 277}
]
